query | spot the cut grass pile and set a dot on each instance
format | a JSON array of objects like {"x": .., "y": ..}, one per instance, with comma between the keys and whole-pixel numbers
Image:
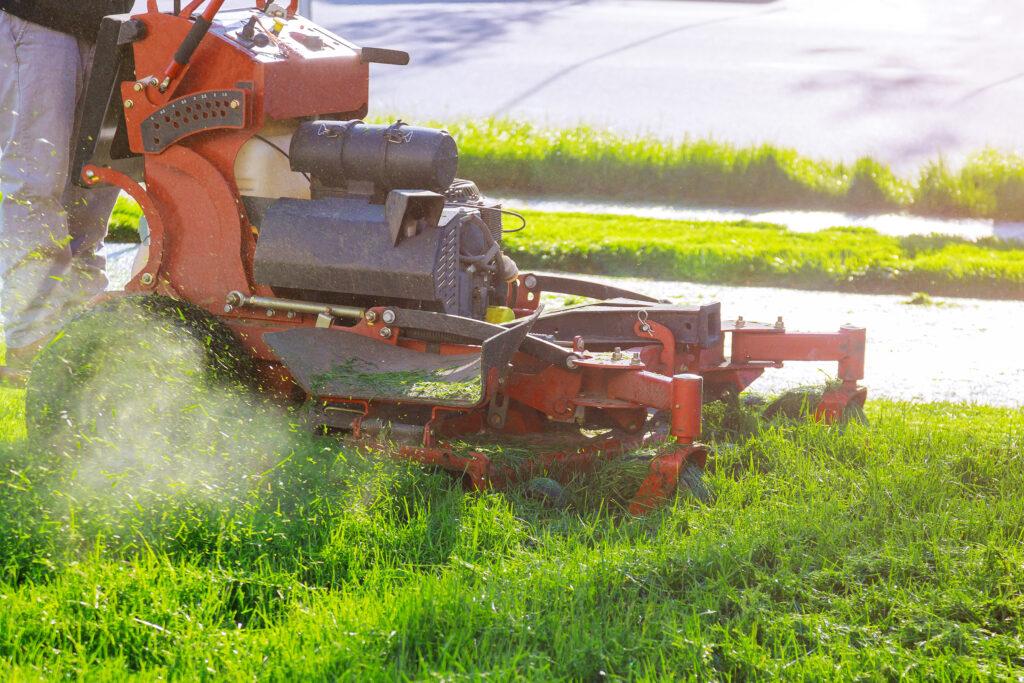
[
  {"x": 878, "y": 552},
  {"x": 746, "y": 253},
  {"x": 519, "y": 157}
]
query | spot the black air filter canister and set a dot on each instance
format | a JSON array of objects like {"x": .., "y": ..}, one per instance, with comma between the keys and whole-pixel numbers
[{"x": 391, "y": 157}]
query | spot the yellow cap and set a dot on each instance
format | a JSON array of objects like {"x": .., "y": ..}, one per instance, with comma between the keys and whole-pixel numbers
[{"x": 500, "y": 314}]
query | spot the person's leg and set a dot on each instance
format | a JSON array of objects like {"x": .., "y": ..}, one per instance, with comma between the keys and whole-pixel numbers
[
  {"x": 38, "y": 90},
  {"x": 88, "y": 214}
]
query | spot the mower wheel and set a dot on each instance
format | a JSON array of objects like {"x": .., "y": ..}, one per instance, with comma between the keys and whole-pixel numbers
[
  {"x": 128, "y": 362},
  {"x": 798, "y": 404},
  {"x": 691, "y": 482},
  {"x": 548, "y": 491},
  {"x": 853, "y": 413}
]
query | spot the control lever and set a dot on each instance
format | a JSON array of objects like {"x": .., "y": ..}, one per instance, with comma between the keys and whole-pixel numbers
[
  {"x": 380, "y": 55},
  {"x": 188, "y": 46}
]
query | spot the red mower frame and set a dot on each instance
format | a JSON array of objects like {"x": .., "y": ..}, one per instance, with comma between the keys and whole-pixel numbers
[{"x": 203, "y": 244}]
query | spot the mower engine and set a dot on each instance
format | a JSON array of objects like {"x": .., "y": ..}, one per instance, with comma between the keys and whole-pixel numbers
[{"x": 379, "y": 228}]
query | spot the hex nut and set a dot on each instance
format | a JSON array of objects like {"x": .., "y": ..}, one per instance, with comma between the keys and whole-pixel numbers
[{"x": 388, "y": 317}]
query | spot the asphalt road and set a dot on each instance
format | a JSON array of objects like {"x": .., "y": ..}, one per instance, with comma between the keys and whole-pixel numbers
[{"x": 903, "y": 80}]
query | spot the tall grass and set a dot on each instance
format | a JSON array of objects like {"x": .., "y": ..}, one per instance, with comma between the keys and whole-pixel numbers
[
  {"x": 879, "y": 552},
  {"x": 520, "y": 157}
]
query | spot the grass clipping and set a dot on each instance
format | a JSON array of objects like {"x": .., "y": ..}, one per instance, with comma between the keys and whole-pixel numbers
[{"x": 356, "y": 378}]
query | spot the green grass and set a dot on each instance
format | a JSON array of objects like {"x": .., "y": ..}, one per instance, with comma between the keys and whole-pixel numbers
[
  {"x": 866, "y": 553},
  {"x": 846, "y": 259},
  {"x": 841, "y": 258},
  {"x": 517, "y": 157}
]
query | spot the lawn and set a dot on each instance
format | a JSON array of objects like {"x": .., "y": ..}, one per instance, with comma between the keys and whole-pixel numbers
[
  {"x": 842, "y": 258},
  {"x": 845, "y": 259},
  {"x": 255, "y": 550},
  {"x": 516, "y": 157}
]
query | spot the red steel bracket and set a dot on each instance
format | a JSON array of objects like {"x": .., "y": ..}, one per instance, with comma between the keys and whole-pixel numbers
[
  {"x": 148, "y": 276},
  {"x": 663, "y": 478}
]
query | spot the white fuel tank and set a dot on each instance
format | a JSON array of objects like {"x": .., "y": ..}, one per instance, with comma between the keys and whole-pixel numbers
[{"x": 262, "y": 168}]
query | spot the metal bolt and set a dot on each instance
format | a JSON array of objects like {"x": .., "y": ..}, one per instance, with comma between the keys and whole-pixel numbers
[
  {"x": 138, "y": 87},
  {"x": 385, "y": 332},
  {"x": 235, "y": 104},
  {"x": 740, "y": 322},
  {"x": 271, "y": 312},
  {"x": 779, "y": 324},
  {"x": 530, "y": 281},
  {"x": 147, "y": 279},
  {"x": 388, "y": 317},
  {"x": 371, "y": 316},
  {"x": 128, "y": 104},
  {"x": 228, "y": 308},
  {"x": 291, "y": 315},
  {"x": 636, "y": 359},
  {"x": 617, "y": 354}
]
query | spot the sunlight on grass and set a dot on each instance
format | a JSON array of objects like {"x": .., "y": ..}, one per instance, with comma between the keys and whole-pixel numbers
[
  {"x": 891, "y": 550},
  {"x": 847, "y": 259}
]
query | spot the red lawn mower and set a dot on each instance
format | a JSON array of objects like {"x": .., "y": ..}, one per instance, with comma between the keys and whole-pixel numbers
[{"x": 345, "y": 265}]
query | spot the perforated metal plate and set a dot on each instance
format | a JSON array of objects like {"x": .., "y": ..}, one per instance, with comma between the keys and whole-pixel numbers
[{"x": 193, "y": 114}]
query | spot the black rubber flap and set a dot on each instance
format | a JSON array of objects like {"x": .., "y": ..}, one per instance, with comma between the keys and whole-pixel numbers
[{"x": 339, "y": 364}]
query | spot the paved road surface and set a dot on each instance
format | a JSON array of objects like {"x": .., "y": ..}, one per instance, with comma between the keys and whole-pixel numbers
[{"x": 900, "y": 79}]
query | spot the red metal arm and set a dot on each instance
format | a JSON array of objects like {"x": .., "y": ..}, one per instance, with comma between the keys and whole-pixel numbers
[{"x": 846, "y": 346}]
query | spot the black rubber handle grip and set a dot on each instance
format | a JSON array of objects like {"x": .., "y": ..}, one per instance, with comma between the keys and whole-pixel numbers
[
  {"x": 195, "y": 36},
  {"x": 381, "y": 55}
]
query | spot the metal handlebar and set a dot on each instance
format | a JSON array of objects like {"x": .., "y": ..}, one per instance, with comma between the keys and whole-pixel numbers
[{"x": 293, "y": 6}]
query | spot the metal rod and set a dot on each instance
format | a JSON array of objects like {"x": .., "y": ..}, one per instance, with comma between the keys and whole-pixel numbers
[{"x": 237, "y": 299}]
